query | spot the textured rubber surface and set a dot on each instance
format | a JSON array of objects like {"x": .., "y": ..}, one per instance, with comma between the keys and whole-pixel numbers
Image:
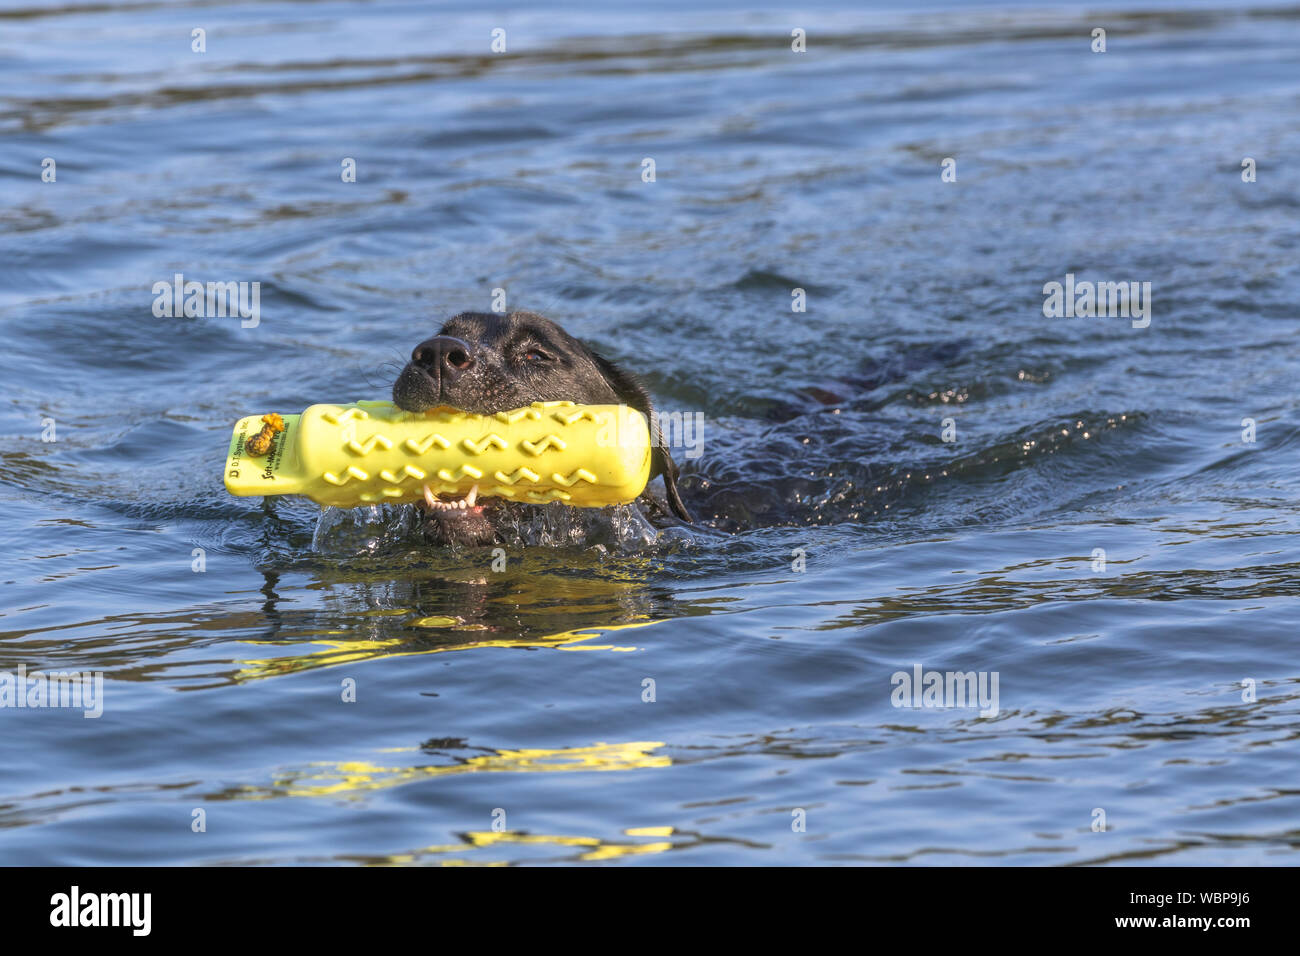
[{"x": 371, "y": 452}]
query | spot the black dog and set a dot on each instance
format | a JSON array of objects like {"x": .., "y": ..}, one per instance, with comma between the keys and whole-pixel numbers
[{"x": 483, "y": 363}]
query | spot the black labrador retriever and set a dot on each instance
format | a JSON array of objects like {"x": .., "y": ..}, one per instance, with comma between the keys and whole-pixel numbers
[{"x": 486, "y": 362}]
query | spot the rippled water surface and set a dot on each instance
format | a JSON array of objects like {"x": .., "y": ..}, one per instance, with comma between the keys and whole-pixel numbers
[{"x": 499, "y": 715}]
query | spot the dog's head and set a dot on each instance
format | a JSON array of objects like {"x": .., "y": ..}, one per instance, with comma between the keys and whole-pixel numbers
[{"x": 485, "y": 362}]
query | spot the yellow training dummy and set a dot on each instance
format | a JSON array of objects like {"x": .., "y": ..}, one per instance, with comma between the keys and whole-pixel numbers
[{"x": 373, "y": 452}]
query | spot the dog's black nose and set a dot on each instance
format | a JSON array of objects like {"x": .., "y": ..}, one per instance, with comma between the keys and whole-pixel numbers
[{"x": 443, "y": 355}]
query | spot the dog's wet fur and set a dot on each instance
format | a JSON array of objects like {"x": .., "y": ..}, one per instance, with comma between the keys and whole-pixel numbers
[{"x": 487, "y": 362}]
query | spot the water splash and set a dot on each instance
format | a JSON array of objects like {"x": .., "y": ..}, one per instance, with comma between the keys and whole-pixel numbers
[
  {"x": 375, "y": 529},
  {"x": 371, "y": 529}
]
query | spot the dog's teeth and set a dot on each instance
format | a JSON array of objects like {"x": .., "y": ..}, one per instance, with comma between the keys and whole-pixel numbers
[{"x": 458, "y": 504}]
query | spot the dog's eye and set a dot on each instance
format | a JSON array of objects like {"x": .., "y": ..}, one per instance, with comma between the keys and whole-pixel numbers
[{"x": 536, "y": 355}]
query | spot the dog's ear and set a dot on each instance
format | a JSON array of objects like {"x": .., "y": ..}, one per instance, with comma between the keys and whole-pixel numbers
[{"x": 630, "y": 390}]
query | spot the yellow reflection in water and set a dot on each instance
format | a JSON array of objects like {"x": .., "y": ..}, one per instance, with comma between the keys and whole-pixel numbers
[
  {"x": 351, "y": 779},
  {"x": 484, "y": 839},
  {"x": 348, "y": 652}
]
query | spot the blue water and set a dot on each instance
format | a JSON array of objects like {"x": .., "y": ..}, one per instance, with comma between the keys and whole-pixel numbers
[{"x": 499, "y": 715}]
